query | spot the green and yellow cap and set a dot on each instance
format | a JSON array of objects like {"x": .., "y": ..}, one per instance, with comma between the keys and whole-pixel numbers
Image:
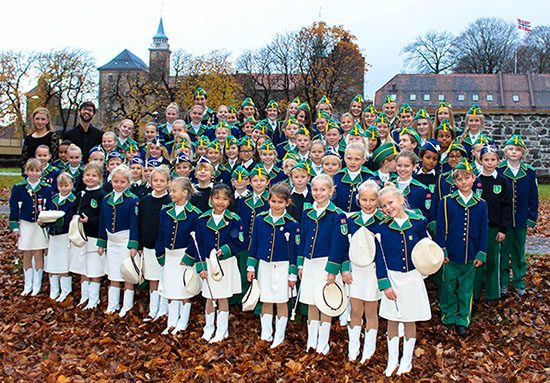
[
  {"x": 215, "y": 144},
  {"x": 445, "y": 125},
  {"x": 483, "y": 140},
  {"x": 422, "y": 113},
  {"x": 324, "y": 100},
  {"x": 259, "y": 171},
  {"x": 272, "y": 104},
  {"x": 323, "y": 114},
  {"x": 357, "y": 131},
  {"x": 464, "y": 165},
  {"x": 232, "y": 109},
  {"x": 333, "y": 125},
  {"x": 303, "y": 130},
  {"x": 246, "y": 141},
  {"x": 247, "y": 102},
  {"x": 239, "y": 173},
  {"x": 200, "y": 92},
  {"x": 383, "y": 151},
  {"x": 231, "y": 140},
  {"x": 382, "y": 119},
  {"x": 202, "y": 141},
  {"x": 267, "y": 146},
  {"x": 475, "y": 110},
  {"x": 371, "y": 109},
  {"x": 389, "y": 99},
  {"x": 302, "y": 165},
  {"x": 359, "y": 98},
  {"x": 406, "y": 108},
  {"x": 455, "y": 145},
  {"x": 296, "y": 101},
  {"x": 292, "y": 121},
  {"x": 292, "y": 156},
  {"x": 250, "y": 119},
  {"x": 516, "y": 140},
  {"x": 411, "y": 132},
  {"x": 222, "y": 124},
  {"x": 304, "y": 105},
  {"x": 372, "y": 132},
  {"x": 443, "y": 104}
]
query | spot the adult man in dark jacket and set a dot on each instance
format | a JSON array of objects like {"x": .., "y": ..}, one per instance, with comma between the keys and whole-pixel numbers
[{"x": 84, "y": 135}]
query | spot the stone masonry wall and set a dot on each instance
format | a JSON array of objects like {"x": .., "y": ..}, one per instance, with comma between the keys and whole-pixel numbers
[{"x": 533, "y": 127}]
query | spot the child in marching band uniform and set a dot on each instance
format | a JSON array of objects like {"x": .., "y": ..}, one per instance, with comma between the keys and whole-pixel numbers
[
  {"x": 275, "y": 262},
  {"x": 405, "y": 298},
  {"x": 58, "y": 259},
  {"x": 364, "y": 293},
  {"x": 28, "y": 198},
  {"x": 219, "y": 234},
  {"x": 321, "y": 255},
  {"x": 417, "y": 195},
  {"x": 148, "y": 228},
  {"x": 118, "y": 233},
  {"x": 174, "y": 250},
  {"x": 85, "y": 260}
]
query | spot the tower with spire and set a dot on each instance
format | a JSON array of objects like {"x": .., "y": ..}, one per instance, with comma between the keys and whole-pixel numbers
[{"x": 159, "y": 56}]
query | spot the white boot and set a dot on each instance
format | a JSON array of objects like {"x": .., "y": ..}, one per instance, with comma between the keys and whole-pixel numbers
[
  {"x": 28, "y": 281},
  {"x": 406, "y": 360},
  {"x": 280, "y": 329},
  {"x": 127, "y": 303},
  {"x": 93, "y": 295},
  {"x": 312, "y": 334},
  {"x": 114, "y": 300},
  {"x": 393, "y": 355},
  {"x": 354, "y": 344},
  {"x": 163, "y": 307},
  {"x": 66, "y": 288},
  {"x": 84, "y": 292},
  {"x": 173, "y": 315},
  {"x": 54, "y": 286},
  {"x": 370, "y": 344},
  {"x": 154, "y": 300},
  {"x": 36, "y": 281},
  {"x": 266, "y": 321},
  {"x": 222, "y": 326},
  {"x": 324, "y": 334},
  {"x": 209, "y": 328},
  {"x": 183, "y": 321},
  {"x": 344, "y": 317}
]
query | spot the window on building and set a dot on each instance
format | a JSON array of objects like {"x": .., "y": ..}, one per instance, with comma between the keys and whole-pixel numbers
[
  {"x": 110, "y": 77},
  {"x": 489, "y": 97},
  {"x": 515, "y": 98},
  {"x": 460, "y": 97},
  {"x": 441, "y": 97},
  {"x": 475, "y": 97},
  {"x": 426, "y": 97},
  {"x": 412, "y": 97}
]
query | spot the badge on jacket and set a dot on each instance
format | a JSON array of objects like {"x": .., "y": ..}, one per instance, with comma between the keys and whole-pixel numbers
[{"x": 497, "y": 189}]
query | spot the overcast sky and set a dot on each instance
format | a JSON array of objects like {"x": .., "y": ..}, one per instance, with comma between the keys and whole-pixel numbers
[{"x": 382, "y": 28}]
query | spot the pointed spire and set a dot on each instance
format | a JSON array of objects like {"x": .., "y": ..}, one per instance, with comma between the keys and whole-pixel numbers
[
  {"x": 160, "y": 32},
  {"x": 160, "y": 40}
]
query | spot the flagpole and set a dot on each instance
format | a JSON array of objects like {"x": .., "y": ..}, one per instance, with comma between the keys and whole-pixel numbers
[{"x": 516, "y": 60}]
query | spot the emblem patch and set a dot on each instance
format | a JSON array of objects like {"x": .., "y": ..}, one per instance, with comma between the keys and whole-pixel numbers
[
  {"x": 432, "y": 188},
  {"x": 410, "y": 237},
  {"x": 428, "y": 203},
  {"x": 241, "y": 236},
  {"x": 344, "y": 228},
  {"x": 93, "y": 203},
  {"x": 297, "y": 239},
  {"x": 497, "y": 189}
]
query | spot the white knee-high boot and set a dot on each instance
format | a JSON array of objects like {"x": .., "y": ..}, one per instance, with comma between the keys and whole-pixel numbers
[
  {"x": 127, "y": 303},
  {"x": 312, "y": 334},
  {"x": 163, "y": 307},
  {"x": 393, "y": 355},
  {"x": 280, "y": 329},
  {"x": 37, "y": 281},
  {"x": 66, "y": 288},
  {"x": 183, "y": 321},
  {"x": 55, "y": 288},
  {"x": 370, "y": 344},
  {"x": 93, "y": 295},
  {"x": 154, "y": 300},
  {"x": 27, "y": 289},
  {"x": 324, "y": 334},
  {"x": 354, "y": 344},
  {"x": 266, "y": 320},
  {"x": 84, "y": 292},
  {"x": 114, "y": 300},
  {"x": 209, "y": 328},
  {"x": 173, "y": 315},
  {"x": 222, "y": 326},
  {"x": 406, "y": 360}
]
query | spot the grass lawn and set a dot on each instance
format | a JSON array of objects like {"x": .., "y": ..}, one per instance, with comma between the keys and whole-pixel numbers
[{"x": 544, "y": 192}]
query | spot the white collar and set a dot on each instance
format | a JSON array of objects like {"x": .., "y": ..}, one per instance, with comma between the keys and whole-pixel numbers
[
  {"x": 401, "y": 185},
  {"x": 231, "y": 162},
  {"x": 421, "y": 171},
  {"x": 117, "y": 195},
  {"x": 494, "y": 174},
  {"x": 158, "y": 196},
  {"x": 210, "y": 185},
  {"x": 179, "y": 208},
  {"x": 243, "y": 194},
  {"x": 275, "y": 219},
  {"x": 366, "y": 216},
  {"x": 353, "y": 175},
  {"x": 248, "y": 163},
  {"x": 319, "y": 210},
  {"x": 304, "y": 193},
  {"x": 400, "y": 221},
  {"x": 466, "y": 199},
  {"x": 34, "y": 185},
  {"x": 63, "y": 197}
]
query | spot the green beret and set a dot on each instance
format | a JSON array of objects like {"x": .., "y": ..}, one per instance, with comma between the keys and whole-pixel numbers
[{"x": 383, "y": 151}]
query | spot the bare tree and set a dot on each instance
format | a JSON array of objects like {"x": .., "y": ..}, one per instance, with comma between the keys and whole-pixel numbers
[
  {"x": 486, "y": 46},
  {"x": 534, "y": 53},
  {"x": 431, "y": 52}
]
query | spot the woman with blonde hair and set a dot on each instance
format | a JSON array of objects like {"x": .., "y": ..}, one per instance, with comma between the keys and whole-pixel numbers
[{"x": 42, "y": 135}]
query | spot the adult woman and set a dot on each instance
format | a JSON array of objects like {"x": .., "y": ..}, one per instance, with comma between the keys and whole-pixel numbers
[{"x": 42, "y": 135}]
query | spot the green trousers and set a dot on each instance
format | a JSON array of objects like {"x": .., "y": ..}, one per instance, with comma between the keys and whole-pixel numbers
[
  {"x": 513, "y": 253},
  {"x": 488, "y": 274},
  {"x": 457, "y": 293}
]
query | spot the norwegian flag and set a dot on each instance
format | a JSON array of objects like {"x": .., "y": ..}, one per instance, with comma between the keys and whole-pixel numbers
[{"x": 524, "y": 25}]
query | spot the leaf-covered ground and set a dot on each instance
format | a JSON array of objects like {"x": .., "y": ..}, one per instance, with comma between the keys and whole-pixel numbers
[{"x": 43, "y": 341}]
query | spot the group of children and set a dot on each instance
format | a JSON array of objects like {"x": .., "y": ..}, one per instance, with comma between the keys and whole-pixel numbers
[{"x": 209, "y": 205}]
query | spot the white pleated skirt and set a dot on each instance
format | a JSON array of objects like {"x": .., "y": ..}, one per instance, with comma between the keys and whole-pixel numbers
[
  {"x": 365, "y": 283},
  {"x": 273, "y": 281},
  {"x": 58, "y": 260},
  {"x": 171, "y": 280},
  {"x": 117, "y": 251},
  {"x": 32, "y": 236},
  {"x": 229, "y": 285},
  {"x": 86, "y": 261},
  {"x": 313, "y": 272},
  {"x": 151, "y": 267},
  {"x": 412, "y": 298}
]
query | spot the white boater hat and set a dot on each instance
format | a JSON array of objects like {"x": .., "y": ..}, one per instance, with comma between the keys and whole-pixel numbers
[
  {"x": 214, "y": 267},
  {"x": 191, "y": 281},
  {"x": 76, "y": 232},
  {"x": 251, "y": 296},
  {"x": 50, "y": 216},
  {"x": 330, "y": 299},
  {"x": 427, "y": 256},
  {"x": 362, "y": 247},
  {"x": 131, "y": 269}
]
